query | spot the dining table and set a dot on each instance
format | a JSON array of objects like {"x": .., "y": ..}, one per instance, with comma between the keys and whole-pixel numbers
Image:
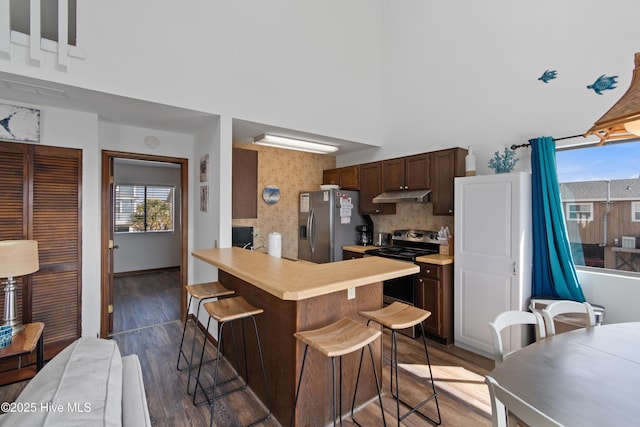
[{"x": 584, "y": 377}]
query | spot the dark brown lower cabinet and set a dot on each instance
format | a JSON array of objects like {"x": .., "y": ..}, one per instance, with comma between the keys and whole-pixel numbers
[
  {"x": 435, "y": 294},
  {"x": 351, "y": 255},
  {"x": 40, "y": 189}
]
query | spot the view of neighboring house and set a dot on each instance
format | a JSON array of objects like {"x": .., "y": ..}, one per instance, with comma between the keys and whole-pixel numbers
[{"x": 598, "y": 215}]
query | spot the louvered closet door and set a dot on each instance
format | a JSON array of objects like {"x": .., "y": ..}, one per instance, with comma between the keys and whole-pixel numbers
[
  {"x": 56, "y": 225},
  {"x": 40, "y": 189},
  {"x": 13, "y": 202}
]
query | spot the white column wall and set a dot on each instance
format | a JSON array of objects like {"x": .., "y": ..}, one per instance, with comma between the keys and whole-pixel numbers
[{"x": 312, "y": 66}]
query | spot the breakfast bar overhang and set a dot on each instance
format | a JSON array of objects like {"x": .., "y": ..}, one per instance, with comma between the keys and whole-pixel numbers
[{"x": 298, "y": 296}]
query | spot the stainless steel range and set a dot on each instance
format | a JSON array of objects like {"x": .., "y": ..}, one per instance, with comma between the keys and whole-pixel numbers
[{"x": 407, "y": 246}]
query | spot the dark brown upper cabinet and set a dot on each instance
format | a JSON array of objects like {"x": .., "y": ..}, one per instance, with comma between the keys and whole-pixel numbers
[
  {"x": 348, "y": 177},
  {"x": 447, "y": 164},
  {"x": 407, "y": 173},
  {"x": 244, "y": 193},
  {"x": 370, "y": 187}
]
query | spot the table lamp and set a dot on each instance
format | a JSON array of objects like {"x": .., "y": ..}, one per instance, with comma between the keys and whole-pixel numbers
[{"x": 17, "y": 258}]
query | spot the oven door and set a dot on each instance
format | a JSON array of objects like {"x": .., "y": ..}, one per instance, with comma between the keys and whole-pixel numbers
[{"x": 405, "y": 290}]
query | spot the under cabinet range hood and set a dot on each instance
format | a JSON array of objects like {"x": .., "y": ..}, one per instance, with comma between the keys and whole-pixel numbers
[{"x": 403, "y": 196}]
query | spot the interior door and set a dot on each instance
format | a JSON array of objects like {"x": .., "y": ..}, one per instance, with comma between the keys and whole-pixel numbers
[
  {"x": 107, "y": 230},
  {"x": 111, "y": 245},
  {"x": 492, "y": 253},
  {"x": 106, "y": 324}
]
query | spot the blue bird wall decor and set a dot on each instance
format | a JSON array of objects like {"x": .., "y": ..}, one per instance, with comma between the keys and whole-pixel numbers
[
  {"x": 548, "y": 75},
  {"x": 603, "y": 83}
]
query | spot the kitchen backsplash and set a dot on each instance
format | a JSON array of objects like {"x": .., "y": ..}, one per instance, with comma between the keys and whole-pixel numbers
[
  {"x": 412, "y": 215},
  {"x": 295, "y": 171},
  {"x": 292, "y": 171}
]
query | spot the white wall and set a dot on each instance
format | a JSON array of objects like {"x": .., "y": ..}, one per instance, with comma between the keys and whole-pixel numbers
[
  {"x": 460, "y": 73},
  {"x": 618, "y": 294},
  {"x": 312, "y": 66},
  {"x": 145, "y": 251},
  {"x": 204, "y": 227}
]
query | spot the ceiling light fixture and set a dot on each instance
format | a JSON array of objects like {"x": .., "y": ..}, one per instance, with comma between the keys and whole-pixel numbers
[
  {"x": 622, "y": 121},
  {"x": 294, "y": 144}
]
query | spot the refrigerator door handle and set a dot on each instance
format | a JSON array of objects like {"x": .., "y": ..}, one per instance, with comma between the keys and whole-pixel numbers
[{"x": 311, "y": 226}]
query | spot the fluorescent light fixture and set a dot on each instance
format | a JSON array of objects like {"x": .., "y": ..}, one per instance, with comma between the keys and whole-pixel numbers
[{"x": 294, "y": 144}]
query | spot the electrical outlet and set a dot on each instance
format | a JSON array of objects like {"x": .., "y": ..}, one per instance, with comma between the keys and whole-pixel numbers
[{"x": 351, "y": 293}]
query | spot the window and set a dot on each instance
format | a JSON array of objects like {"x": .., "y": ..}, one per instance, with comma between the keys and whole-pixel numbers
[
  {"x": 143, "y": 208},
  {"x": 20, "y": 19},
  {"x": 599, "y": 187},
  {"x": 579, "y": 211}
]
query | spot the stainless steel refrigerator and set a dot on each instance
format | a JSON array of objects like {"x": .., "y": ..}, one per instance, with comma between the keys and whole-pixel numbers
[{"x": 327, "y": 221}]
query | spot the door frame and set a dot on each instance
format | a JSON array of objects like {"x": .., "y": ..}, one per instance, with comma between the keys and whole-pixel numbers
[{"x": 106, "y": 283}]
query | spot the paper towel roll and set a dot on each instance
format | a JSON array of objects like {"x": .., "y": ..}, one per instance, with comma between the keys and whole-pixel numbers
[{"x": 275, "y": 244}]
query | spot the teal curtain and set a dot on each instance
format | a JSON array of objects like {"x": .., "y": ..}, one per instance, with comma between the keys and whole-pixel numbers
[{"x": 554, "y": 273}]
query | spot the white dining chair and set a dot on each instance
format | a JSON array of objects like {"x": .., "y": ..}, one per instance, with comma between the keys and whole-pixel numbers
[
  {"x": 503, "y": 400},
  {"x": 511, "y": 318},
  {"x": 566, "y": 307}
]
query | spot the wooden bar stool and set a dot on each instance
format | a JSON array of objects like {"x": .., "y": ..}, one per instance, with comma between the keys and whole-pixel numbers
[
  {"x": 400, "y": 316},
  {"x": 226, "y": 311},
  {"x": 202, "y": 292},
  {"x": 342, "y": 337}
]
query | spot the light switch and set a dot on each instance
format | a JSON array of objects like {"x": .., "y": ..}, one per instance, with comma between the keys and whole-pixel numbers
[{"x": 351, "y": 293}]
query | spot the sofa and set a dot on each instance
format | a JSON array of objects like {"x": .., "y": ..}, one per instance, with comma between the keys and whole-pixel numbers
[{"x": 88, "y": 383}]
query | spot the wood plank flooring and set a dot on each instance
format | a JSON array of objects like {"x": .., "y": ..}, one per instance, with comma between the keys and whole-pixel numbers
[
  {"x": 146, "y": 299},
  {"x": 459, "y": 376}
]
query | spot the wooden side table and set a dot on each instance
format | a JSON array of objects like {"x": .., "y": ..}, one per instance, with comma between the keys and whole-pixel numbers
[{"x": 22, "y": 344}]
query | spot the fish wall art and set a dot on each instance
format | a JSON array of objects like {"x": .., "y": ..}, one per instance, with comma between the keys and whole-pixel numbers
[
  {"x": 603, "y": 83},
  {"x": 548, "y": 75}
]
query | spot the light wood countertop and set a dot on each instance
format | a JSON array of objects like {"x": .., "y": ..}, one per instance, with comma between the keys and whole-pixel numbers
[
  {"x": 294, "y": 280},
  {"x": 358, "y": 248},
  {"x": 429, "y": 259},
  {"x": 436, "y": 259}
]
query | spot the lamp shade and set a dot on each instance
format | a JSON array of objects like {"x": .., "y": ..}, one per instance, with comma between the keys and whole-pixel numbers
[
  {"x": 618, "y": 122},
  {"x": 18, "y": 257}
]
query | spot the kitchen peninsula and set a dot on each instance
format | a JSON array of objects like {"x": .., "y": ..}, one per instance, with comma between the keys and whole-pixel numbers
[{"x": 297, "y": 296}]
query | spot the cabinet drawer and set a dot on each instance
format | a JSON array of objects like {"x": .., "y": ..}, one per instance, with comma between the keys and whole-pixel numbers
[
  {"x": 351, "y": 255},
  {"x": 431, "y": 271}
]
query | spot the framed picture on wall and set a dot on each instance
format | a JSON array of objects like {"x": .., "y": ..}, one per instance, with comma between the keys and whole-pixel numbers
[
  {"x": 19, "y": 123},
  {"x": 204, "y": 198},
  {"x": 204, "y": 168}
]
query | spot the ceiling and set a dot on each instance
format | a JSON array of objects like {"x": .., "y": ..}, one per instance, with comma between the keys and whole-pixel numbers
[{"x": 135, "y": 112}]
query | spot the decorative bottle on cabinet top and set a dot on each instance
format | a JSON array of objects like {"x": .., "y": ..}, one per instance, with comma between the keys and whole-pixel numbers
[{"x": 470, "y": 163}]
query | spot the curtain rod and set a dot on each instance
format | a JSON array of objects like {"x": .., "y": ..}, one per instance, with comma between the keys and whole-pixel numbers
[{"x": 515, "y": 147}]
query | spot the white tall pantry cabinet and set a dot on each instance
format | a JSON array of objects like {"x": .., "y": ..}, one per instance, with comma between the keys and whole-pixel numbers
[{"x": 492, "y": 269}]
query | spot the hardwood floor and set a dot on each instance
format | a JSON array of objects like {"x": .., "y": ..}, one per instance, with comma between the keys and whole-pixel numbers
[
  {"x": 459, "y": 377},
  {"x": 146, "y": 298}
]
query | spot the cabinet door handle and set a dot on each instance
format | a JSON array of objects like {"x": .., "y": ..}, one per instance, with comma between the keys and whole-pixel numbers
[{"x": 428, "y": 271}]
